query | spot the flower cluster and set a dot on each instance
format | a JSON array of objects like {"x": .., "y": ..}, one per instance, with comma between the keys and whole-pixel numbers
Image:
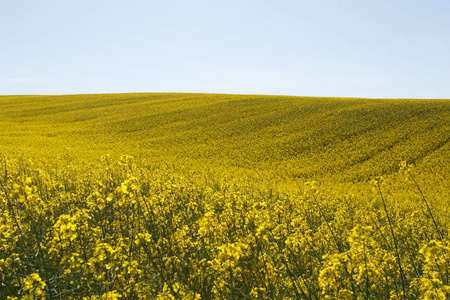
[{"x": 125, "y": 232}]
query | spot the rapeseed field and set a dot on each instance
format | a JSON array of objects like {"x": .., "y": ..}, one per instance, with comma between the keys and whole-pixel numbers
[{"x": 201, "y": 196}]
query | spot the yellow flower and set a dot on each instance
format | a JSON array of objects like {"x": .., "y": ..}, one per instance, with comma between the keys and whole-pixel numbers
[{"x": 33, "y": 286}]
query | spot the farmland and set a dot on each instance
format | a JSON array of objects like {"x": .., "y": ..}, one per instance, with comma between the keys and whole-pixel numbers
[{"x": 203, "y": 196}]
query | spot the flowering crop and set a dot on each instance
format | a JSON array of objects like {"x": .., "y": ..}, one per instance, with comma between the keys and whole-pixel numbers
[
  {"x": 224, "y": 197},
  {"x": 128, "y": 232}
]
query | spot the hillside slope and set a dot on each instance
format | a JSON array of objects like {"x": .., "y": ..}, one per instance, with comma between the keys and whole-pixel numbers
[{"x": 295, "y": 137}]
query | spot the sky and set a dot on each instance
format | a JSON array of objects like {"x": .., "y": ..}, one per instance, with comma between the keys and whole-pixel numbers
[{"x": 341, "y": 48}]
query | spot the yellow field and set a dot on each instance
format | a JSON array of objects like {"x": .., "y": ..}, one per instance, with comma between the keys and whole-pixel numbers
[{"x": 200, "y": 196}]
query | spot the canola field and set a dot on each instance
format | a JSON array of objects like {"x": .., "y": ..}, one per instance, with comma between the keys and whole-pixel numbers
[{"x": 202, "y": 196}]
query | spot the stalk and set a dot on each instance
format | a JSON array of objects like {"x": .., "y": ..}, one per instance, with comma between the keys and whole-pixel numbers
[
  {"x": 428, "y": 206},
  {"x": 402, "y": 275}
]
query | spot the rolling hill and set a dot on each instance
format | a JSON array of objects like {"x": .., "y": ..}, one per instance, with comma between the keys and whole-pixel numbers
[
  {"x": 292, "y": 137},
  {"x": 200, "y": 196}
]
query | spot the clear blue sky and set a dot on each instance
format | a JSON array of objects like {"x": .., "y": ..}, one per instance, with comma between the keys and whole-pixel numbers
[{"x": 342, "y": 48}]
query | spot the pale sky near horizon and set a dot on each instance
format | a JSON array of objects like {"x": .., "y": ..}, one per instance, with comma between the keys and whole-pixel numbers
[{"x": 341, "y": 48}]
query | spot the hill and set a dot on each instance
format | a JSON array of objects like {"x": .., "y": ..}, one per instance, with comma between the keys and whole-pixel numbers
[
  {"x": 197, "y": 196},
  {"x": 289, "y": 137}
]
